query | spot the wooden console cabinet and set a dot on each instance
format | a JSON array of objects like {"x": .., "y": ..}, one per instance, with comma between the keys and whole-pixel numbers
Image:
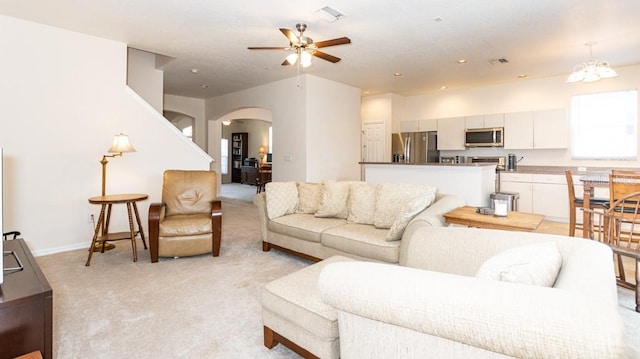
[{"x": 26, "y": 306}]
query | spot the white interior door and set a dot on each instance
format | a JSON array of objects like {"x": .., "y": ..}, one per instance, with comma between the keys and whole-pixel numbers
[{"x": 373, "y": 142}]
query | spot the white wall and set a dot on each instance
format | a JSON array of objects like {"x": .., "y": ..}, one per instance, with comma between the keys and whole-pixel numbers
[
  {"x": 333, "y": 130},
  {"x": 524, "y": 95},
  {"x": 63, "y": 101},
  {"x": 193, "y": 107},
  {"x": 144, "y": 78},
  {"x": 290, "y": 102}
]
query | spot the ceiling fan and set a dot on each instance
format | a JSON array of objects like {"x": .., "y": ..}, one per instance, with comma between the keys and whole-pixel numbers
[{"x": 304, "y": 48}]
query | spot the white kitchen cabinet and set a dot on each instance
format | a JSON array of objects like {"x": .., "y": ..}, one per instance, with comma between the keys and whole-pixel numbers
[
  {"x": 518, "y": 130},
  {"x": 542, "y": 194},
  {"x": 485, "y": 121},
  {"x": 519, "y": 183},
  {"x": 428, "y": 125},
  {"x": 550, "y": 129},
  {"x": 536, "y": 129},
  {"x": 409, "y": 126},
  {"x": 451, "y": 133}
]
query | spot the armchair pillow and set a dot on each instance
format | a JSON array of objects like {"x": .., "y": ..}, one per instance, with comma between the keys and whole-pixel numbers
[{"x": 533, "y": 264}]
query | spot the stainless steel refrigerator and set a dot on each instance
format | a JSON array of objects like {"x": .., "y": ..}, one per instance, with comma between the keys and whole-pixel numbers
[{"x": 415, "y": 147}]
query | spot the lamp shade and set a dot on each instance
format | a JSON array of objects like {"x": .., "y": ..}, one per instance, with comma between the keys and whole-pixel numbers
[
  {"x": 121, "y": 144},
  {"x": 291, "y": 59}
]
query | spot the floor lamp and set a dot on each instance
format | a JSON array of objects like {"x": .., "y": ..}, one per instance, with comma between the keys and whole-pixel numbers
[{"x": 120, "y": 145}]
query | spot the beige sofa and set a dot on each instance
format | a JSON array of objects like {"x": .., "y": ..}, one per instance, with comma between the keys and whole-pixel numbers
[
  {"x": 436, "y": 303},
  {"x": 350, "y": 218}
]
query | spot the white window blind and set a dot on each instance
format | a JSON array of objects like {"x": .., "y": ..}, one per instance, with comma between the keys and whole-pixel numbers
[{"x": 604, "y": 126}]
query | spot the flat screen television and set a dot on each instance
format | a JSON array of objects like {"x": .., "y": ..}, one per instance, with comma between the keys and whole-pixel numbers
[{"x": 268, "y": 157}]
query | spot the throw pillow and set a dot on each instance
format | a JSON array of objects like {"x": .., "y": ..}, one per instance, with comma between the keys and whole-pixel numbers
[
  {"x": 333, "y": 202},
  {"x": 309, "y": 195},
  {"x": 362, "y": 203},
  {"x": 533, "y": 264},
  {"x": 391, "y": 198},
  {"x": 282, "y": 198},
  {"x": 410, "y": 210}
]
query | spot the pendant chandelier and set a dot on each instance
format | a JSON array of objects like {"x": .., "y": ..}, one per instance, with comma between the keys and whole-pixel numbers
[{"x": 591, "y": 71}]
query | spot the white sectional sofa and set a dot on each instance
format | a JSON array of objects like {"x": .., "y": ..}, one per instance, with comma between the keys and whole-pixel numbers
[
  {"x": 478, "y": 293},
  {"x": 349, "y": 218}
]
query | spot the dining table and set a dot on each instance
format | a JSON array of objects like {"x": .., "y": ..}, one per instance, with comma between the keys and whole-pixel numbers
[{"x": 589, "y": 182}]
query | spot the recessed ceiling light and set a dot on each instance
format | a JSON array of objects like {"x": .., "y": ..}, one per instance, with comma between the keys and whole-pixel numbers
[
  {"x": 397, "y": 74},
  {"x": 194, "y": 71},
  {"x": 462, "y": 61},
  {"x": 522, "y": 76},
  {"x": 366, "y": 92},
  {"x": 443, "y": 87},
  {"x": 204, "y": 86},
  {"x": 437, "y": 19}
]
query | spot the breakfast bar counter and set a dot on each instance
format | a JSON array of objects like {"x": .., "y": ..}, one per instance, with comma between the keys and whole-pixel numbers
[{"x": 473, "y": 182}]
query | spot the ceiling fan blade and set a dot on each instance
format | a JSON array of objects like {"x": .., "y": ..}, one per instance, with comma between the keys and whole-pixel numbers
[
  {"x": 333, "y": 42},
  {"x": 268, "y": 48},
  {"x": 290, "y": 35},
  {"x": 325, "y": 56},
  {"x": 285, "y": 63}
]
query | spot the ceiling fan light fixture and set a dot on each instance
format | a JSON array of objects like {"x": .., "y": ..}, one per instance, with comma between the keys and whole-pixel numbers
[
  {"x": 305, "y": 59},
  {"x": 291, "y": 59},
  {"x": 591, "y": 71}
]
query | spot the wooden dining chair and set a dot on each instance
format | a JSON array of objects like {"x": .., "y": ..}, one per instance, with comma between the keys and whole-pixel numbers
[
  {"x": 622, "y": 183},
  {"x": 619, "y": 228},
  {"x": 578, "y": 202}
]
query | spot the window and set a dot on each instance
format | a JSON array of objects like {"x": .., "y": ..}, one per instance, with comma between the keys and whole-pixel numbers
[
  {"x": 224, "y": 156},
  {"x": 604, "y": 126},
  {"x": 188, "y": 131}
]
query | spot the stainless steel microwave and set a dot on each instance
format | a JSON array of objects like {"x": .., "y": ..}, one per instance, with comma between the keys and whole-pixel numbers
[{"x": 484, "y": 137}]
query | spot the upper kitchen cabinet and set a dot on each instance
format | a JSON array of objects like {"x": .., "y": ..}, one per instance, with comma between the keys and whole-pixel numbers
[
  {"x": 409, "y": 126},
  {"x": 550, "y": 129},
  {"x": 451, "y": 133},
  {"x": 518, "y": 130},
  {"x": 485, "y": 121},
  {"x": 536, "y": 129},
  {"x": 428, "y": 125}
]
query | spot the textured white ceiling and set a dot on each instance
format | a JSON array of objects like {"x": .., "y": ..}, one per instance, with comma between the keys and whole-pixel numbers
[{"x": 540, "y": 38}]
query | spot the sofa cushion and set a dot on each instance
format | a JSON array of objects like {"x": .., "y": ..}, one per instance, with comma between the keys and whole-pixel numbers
[
  {"x": 406, "y": 214},
  {"x": 295, "y": 297},
  {"x": 391, "y": 199},
  {"x": 309, "y": 195},
  {"x": 362, "y": 240},
  {"x": 303, "y": 226},
  {"x": 533, "y": 264},
  {"x": 282, "y": 198},
  {"x": 333, "y": 202},
  {"x": 362, "y": 203}
]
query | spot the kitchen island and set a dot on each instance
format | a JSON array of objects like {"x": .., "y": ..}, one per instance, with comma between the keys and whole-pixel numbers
[{"x": 473, "y": 182}]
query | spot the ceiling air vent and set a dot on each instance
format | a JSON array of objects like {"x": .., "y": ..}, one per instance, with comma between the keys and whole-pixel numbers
[
  {"x": 498, "y": 61},
  {"x": 330, "y": 14}
]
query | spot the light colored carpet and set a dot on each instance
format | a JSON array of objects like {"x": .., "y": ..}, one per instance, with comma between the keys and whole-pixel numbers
[{"x": 198, "y": 307}]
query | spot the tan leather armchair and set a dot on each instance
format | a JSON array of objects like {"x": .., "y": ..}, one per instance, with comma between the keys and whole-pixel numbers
[{"x": 188, "y": 221}]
